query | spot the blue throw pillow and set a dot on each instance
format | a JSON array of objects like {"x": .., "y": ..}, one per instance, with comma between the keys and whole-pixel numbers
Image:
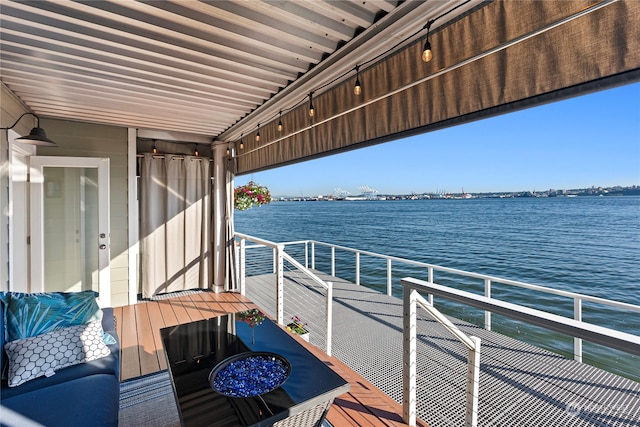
[{"x": 29, "y": 315}]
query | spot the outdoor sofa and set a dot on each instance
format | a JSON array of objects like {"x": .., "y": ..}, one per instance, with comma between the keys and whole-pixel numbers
[{"x": 84, "y": 394}]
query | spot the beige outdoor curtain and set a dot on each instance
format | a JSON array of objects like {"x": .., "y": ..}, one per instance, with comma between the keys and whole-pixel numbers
[
  {"x": 175, "y": 212},
  {"x": 230, "y": 277},
  {"x": 504, "y": 56}
]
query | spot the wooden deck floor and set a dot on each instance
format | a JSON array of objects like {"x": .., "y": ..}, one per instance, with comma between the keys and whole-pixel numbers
[{"x": 138, "y": 327}]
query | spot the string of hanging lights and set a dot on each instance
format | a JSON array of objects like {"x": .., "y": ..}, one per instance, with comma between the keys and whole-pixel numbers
[{"x": 427, "y": 55}]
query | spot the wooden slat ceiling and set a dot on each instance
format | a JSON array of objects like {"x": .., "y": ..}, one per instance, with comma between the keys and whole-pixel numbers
[{"x": 213, "y": 68}]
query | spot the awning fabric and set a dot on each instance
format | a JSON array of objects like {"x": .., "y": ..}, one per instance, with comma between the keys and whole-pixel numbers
[{"x": 501, "y": 57}]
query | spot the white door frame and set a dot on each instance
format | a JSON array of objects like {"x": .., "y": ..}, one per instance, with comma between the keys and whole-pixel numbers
[
  {"x": 18, "y": 212},
  {"x": 37, "y": 163}
]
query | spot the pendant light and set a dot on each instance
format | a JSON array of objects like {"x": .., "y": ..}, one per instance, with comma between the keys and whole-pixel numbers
[
  {"x": 280, "y": 126},
  {"x": 427, "y": 54},
  {"x": 258, "y": 134},
  {"x": 311, "y": 109},
  {"x": 357, "y": 89},
  {"x": 241, "y": 142}
]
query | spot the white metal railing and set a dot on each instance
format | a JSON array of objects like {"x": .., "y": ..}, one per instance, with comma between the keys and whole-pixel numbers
[
  {"x": 411, "y": 300},
  {"x": 279, "y": 255},
  {"x": 577, "y": 298},
  {"x": 574, "y": 327},
  {"x": 598, "y": 334},
  {"x": 328, "y": 286}
]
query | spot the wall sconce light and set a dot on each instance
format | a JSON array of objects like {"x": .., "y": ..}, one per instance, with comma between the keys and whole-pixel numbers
[
  {"x": 37, "y": 136},
  {"x": 426, "y": 52},
  {"x": 357, "y": 89}
]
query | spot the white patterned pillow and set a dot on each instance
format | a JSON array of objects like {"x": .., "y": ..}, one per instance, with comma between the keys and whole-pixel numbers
[{"x": 44, "y": 354}]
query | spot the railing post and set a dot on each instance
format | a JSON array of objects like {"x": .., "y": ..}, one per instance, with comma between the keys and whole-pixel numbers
[
  {"x": 473, "y": 383},
  {"x": 487, "y": 313},
  {"x": 243, "y": 266},
  {"x": 577, "y": 342},
  {"x": 313, "y": 255},
  {"x": 333, "y": 261},
  {"x": 430, "y": 273},
  {"x": 306, "y": 254},
  {"x": 357, "y": 268},
  {"x": 275, "y": 260},
  {"x": 329, "y": 314},
  {"x": 389, "y": 278},
  {"x": 409, "y": 349},
  {"x": 280, "y": 284}
]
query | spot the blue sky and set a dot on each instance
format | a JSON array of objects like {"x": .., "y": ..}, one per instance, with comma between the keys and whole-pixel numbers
[{"x": 591, "y": 140}]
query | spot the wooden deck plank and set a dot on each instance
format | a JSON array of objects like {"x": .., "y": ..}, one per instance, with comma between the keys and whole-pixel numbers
[
  {"x": 344, "y": 412},
  {"x": 157, "y": 322},
  {"x": 174, "y": 306},
  {"x": 147, "y": 349},
  {"x": 209, "y": 304},
  {"x": 337, "y": 417},
  {"x": 234, "y": 302},
  {"x": 168, "y": 314},
  {"x": 181, "y": 312},
  {"x": 129, "y": 356},
  {"x": 206, "y": 312},
  {"x": 190, "y": 308}
]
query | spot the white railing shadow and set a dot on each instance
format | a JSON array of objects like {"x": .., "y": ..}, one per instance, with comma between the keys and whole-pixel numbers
[{"x": 411, "y": 300}]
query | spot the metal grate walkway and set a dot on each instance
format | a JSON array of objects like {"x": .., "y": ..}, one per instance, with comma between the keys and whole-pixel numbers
[{"x": 520, "y": 384}]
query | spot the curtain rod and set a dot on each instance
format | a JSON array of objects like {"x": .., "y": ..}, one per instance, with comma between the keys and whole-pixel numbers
[{"x": 176, "y": 157}]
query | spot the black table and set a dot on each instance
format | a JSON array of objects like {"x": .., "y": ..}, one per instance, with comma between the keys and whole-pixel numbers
[{"x": 194, "y": 349}]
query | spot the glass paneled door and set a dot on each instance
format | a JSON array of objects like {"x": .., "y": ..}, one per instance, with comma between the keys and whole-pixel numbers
[{"x": 70, "y": 225}]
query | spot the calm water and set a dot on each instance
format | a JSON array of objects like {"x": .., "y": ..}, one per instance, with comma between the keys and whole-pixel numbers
[{"x": 589, "y": 245}]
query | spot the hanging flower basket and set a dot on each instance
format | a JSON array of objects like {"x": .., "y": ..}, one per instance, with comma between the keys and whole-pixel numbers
[{"x": 246, "y": 196}]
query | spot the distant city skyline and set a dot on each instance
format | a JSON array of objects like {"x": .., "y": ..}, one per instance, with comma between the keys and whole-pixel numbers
[{"x": 591, "y": 140}]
